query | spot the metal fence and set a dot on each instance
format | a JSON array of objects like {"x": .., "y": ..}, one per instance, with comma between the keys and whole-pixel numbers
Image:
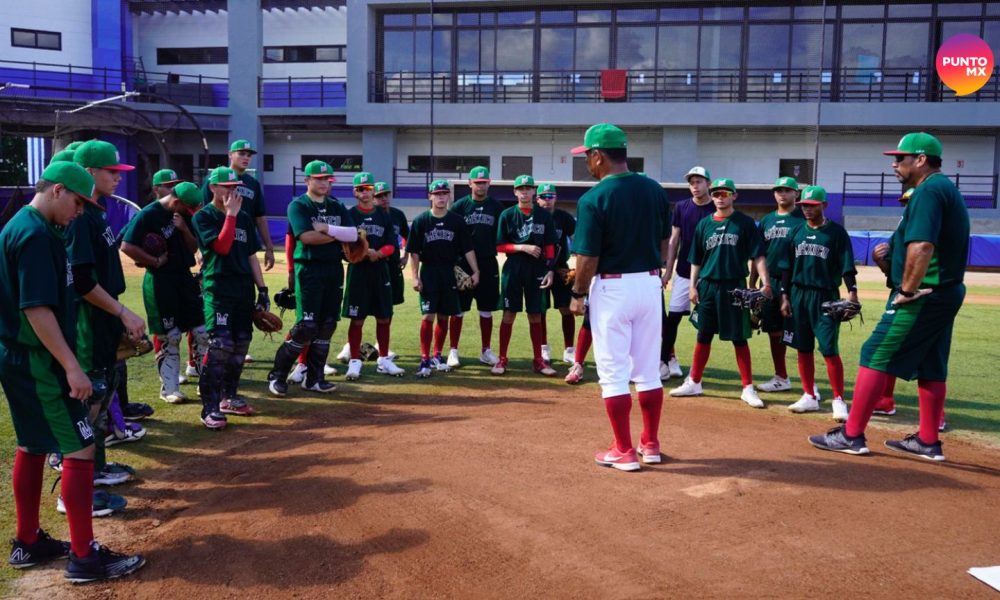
[
  {"x": 301, "y": 92},
  {"x": 883, "y": 189}
]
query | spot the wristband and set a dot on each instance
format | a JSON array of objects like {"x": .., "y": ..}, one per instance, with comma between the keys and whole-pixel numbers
[
  {"x": 906, "y": 294},
  {"x": 578, "y": 295}
]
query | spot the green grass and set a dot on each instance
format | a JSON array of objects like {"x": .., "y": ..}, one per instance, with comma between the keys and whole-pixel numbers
[{"x": 175, "y": 431}]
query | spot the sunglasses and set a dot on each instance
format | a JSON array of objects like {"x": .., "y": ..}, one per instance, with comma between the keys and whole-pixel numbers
[
  {"x": 722, "y": 194},
  {"x": 547, "y": 197},
  {"x": 364, "y": 188},
  {"x": 898, "y": 158}
]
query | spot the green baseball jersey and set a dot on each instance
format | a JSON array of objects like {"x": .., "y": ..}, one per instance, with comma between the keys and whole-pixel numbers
[
  {"x": 936, "y": 213},
  {"x": 536, "y": 228},
  {"x": 250, "y": 189},
  {"x": 565, "y": 228},
  {"x": 401, "y": 228},
  {"x": 34, "y": 271},
  {"x": 722, "y": 248},
  {"x": 439, "y": 240},
  {"x": 155, "y": 218},
  {"x": 774, "y": 228},
  {"x": 216, "y": 267},
  {"x": 377, "y": 226},
  {"x": 819, "y": 258},
  {"x": 90, "y": 241},
  {"x": 623, "y": 219},
  {"x": 481, "y": 219},
  {"x": 303, "y": 212}
]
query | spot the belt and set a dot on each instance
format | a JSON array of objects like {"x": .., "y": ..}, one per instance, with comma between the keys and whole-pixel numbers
[{"x": 653, "y": 272}]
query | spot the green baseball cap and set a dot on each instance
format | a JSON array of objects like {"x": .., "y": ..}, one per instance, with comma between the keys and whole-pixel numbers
[
  {"x": 524, "y": 181},
  {"x": 62, "y": 156},
  {"x": 364, "y": 178},
  {"x": 723, "y": 184},
  {"x": 439, "y": 185},
  {"x": 165, "y": 177},
  {"x": 917, "y": 143},
  {"x": 188, "y": 193},
  {"x": 223, "y": 176},
  {"x": 242, "y": 145},
  {"x": 73, "y": 176},
  {"x": 603, "y": 136},
  {"x": 318, "y": 168},
  {"x": 546, "y": 188},
  {"x": 479, "y": 174},
  {"x": 700, "y": 172},
  {"x": 382, "y": 187},
  {"x": 74, "y": 145},
  {"x": 812, "y": 194},
  {"x": 786, "y": 182},
  {"x": 98, "y": 154}
]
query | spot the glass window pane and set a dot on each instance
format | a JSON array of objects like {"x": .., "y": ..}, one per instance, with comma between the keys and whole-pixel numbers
[
  {"x": 909, "y": 10},
  {"x": 422, "y": 50},
  {"x": 815, "y": 12},
  {"x": 862, "y": 46},
  {"x": 593, "y": 16},
  {"x": 720, "y": 47},
  {"x": 643, "y": 15},
  {"x": 908, "y": 45},
  {"x": 806, "y": 41},
  {"x": 468, "y": 50},
  {"x": 637, "y": 47},
  {"x": 676, "y": 45},
  {"x": 965, "y": 9},
  {"x": 515, "y": 48},
  {"x": 957, "y": 27},
  {"x": 442, "y": 50},
  {"x": 423, "y": 19},
  {"x": 517, "y": 18},
  {"x": 48, "y": 40},
  {"x": 679, "y": 14},
  {"x": 444, "y": 19},
  {"x": 24, "y": 38},
  {"x": 398, "y": 51},
  {"x": 768, "y": 47},
  {"x": 397, "y": 20},
  {"x": 993, "y": 8},
  {"x": 991, "y": 35},
  {"x": 719, "y": 13},
  {"x": 863, "y": 11},
  {"x": 487, "y": 50},
  {"x": 274, "y": 54},
  {"x": 488, "y": 18},
  {"x": 558, "y": 16},
  {"x": 557, "y": 49},
  {"x": 468, "y": 18},
  {"x": 328, "y": 54},
  {"x": 592, "y": 47},
  {"x": 770, "y": 12}
]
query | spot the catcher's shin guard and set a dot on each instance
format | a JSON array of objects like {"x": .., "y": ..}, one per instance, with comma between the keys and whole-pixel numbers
[
  {"x": 288, "y": 352},
  {"x": 234, "y": 366},
  {"x": 200, "y": 345},
  {"x": 220, "y": 351},
  {"x": 168, "y": 361},
  {"x": 319, "y": 350}
]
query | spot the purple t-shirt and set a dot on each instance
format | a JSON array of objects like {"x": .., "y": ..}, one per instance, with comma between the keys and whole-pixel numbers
[{"x": 686, "y": 217}]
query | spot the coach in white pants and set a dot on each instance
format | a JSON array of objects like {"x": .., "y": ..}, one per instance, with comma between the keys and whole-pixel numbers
[{"x": 622, "y": 232}]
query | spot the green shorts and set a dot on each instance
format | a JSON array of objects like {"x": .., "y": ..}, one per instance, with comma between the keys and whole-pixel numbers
[
  {"x": 172, "y": 300},
  {"x": 715, "y": 313},
  {"x": 770, "y": 316},
  {"x": 319, "y": 291},
  {"x": 397, "y": 282},
  {"x": 487, "y": 293},
  {"x": 438, "y": 294},
  {"x": 369, "y": 291},
  {"x": 229, "y": 303},
  {"x": 913, "y": 340},
  {"x": 559, "y": 296},
  {"x": 45, "y": 418},
  {"x": 519, "y": 286},
  {"x": 808, "y": 326}
]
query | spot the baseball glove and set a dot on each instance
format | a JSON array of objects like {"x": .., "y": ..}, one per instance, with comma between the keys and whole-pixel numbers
[
  {"x": 285, "y": 299},
  {"x": 154, "y": 244},
  {"x": 129, "y": 348},
  {"x": 368, "y": 352},
  {"x": 267, "y": 321},
  {"x": 356, "y": 251},
  {"x": 463, "y": 281},
  {"x": 752, "y": 300},
  {"x": 841, "y": 310},
  {"x": 567, "y": 276}
]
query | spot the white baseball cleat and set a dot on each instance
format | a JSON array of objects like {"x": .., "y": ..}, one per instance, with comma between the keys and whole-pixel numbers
[
  {"x": 353, "y": 370},
  {"x": 575, "y": 374},
  {"x": 664, "y": 371},
  {"x": 387, "y": 367},
  {"x": 174, "y": 398},
  {"x": 453, "y": 361},
  {"x": 750, "y": 396},
  {"x": 816, "y": 393},
  {"x": 675, "y": 367},
  {"x": 569, "y": 355},
  {"x": 839, "y": 409},
  {"x": 488, "y": 358},
  {"x": 345, "y": 353},
  {"x": 546, "y": 353},
  {"x": 298, "y": 373},
  {"x": 776, "y": 384},
  {"x": 690, "y": 387},
  {"x": 191, "y": 370},
  {"x": 807, "y": 403},
  {"x": 390, "y": 353},
  {"x": 328, "y": 370}
]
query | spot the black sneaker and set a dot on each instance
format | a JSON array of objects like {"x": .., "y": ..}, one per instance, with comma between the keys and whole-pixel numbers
[
  {"x": 837, "y": 441},
  {"x": 101, "y": 564},
  {"x": 44, "y": 549},
  {"x": 911, "y": 444},
  {"x": 137, "y": 411},
  {"x": 277, "y": 387}
]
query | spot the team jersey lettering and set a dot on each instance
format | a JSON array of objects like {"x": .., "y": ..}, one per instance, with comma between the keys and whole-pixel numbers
[
  {"x": 246, "y": 192},
  {"x": 373, "y": 229},
  {"x": 479, "y": 218},
  {"x": 109, "y": 237},
  {"x": 69, "y": 273},
  {"x": 722, "y": 239},
  {"x": 528, "y": 228},
  {"x": 437, "y": 235},
  {"x": 168, "y": 231},
  {"x": 241, "y": 235},
  {"x": 805, "y": 249},
  {"x": 328, "y": 219},
  {"x": 776, "y": 233}
]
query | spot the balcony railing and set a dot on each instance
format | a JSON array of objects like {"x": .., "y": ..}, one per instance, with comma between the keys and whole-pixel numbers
[
  {"x": 883, "y": 189},
  {"x": 673, "y": 85},
  {"x": 301, "y": 92}
]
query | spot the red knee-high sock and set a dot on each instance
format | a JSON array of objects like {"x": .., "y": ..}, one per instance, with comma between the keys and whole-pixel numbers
[
  {"x": 745, "y": 364},
  {"x": 537, "y": 333},
  {"x": 835, "y": 370},
  {"x": 699, "y": 360},
  {"x": 485, "y": 331},
  {"x": 931, "y": 395},
  {"x": 354, "y": 338},
  {"x": 440, "y": 332},
  {"x": 889, "y": 393},
  {"x": 505, "y": 330},
  {"x": 302, "y": 355},
  {"x": 27, "y": 484},
  {"x": 382, "y": 337},
  {"x": 157, "y": 344},
  {"x": 78, "y": 497},
  {"x": 619, "y": 408},
  {"x": 867, "y": 388},
  {"x": 568, "y": 327},
  {"x": 807, "y": 372},
  {"x": 583, "y": 340},
  {"x": 651, "y": 403},
  {"x": 455, "y": 330},
  {"x": 426, "y": 331},
  {"x": 778, "y": 356}
]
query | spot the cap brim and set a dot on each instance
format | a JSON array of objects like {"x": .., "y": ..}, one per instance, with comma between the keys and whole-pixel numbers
[
  {"x": 481, "y": 180},
  {"x": 245, "y": 150},
  {"x": 783, "y": 187},
  {"x": 322, "y": 176},
  {"x": 119, "y": 168},
  {"x": 811, "y": 202},
  {"x": 168, "y": 182},
  {"x": 579, "y": 150},
  {"x": 895, "y": 153},
  {"x": 92, "y": 201},
  {"x": 226, "y": 183}
]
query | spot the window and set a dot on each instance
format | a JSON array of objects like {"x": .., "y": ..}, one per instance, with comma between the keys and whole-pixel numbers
[
  {"x": 341, "y": 163},
  {"x": 305, "y": 54},
  {"x": 445, "y": 164},
  {"x": 907, "y": 47},
  {"x": 31, "y": 38},
  {"x": 192, "y": 56}
]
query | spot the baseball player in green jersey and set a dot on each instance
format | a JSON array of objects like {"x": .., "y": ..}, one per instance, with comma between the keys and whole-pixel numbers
[
  {"x": 724, "y": 243},
  {"x": 46, "y": 387},
  {"x": 526, "y": 233},
  {"x": 775, "y": 227},
  {"x": 401, "y": 229},
  {"x": 164, "y": 181},
  {"x": 170, "y": 292},
  {"x": 230, "y": 270},
  {"x": 319, "y": 222},
  {"x": 818, "y": 255},
  {"x": 438, "y": 238},
  {"x": 565, "y": 225},
  {"x": 913, "y": 337},
  {"x": 481, "y": 213},
  {"x": 369, "y": 286}
]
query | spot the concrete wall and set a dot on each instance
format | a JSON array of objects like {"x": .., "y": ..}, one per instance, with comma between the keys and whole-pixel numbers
[{"x": 71, "y": 19}]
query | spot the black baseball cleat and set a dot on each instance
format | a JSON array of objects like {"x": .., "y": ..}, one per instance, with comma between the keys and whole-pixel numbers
[
  {"x": 101, "y": 564},
  {"x": 836, "y": 440},
  {"x": 912, "y": 444},
  {"x": 44, "y": 549}
]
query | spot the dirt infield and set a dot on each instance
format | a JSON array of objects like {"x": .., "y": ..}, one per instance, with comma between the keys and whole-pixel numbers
[{"x": 497, "y": 496}]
